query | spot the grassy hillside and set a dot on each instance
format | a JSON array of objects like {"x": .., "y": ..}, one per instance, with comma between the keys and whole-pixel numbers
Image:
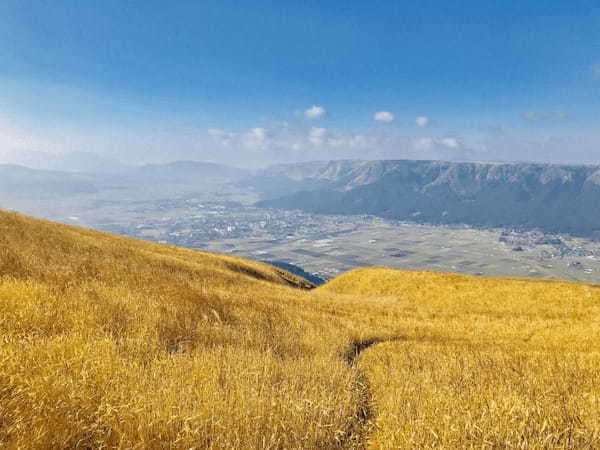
[
  {"x": 483, "y": 362},
  {"x": 111, "y": 342}
]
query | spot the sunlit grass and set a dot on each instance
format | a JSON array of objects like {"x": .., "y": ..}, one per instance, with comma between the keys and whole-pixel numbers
[
  {"x": 483, "y": 362},
  {"x": 111, "y": 342}
]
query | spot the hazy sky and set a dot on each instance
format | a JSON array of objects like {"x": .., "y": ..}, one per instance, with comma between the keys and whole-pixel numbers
[{"x": 254, "y": 82}]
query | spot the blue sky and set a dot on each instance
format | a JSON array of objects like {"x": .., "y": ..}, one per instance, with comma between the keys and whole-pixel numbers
[{"x": 257, "y": 82}]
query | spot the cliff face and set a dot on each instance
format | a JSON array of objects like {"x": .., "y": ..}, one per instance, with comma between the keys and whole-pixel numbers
[{"x": 551, "y": 197}]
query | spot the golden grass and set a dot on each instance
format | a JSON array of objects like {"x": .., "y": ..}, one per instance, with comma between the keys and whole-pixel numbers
[
  {"x": 483, "y": 362},
  {"x": 111, "y": 342}
]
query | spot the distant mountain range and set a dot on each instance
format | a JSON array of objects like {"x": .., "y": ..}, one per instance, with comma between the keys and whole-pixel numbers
[
  {"x": 178, "y": 177},
  {"x": 23, "y": 182},
  {"x": 91, "y": 163},
  {"x": 555, "y": 198},
  {"x": 79, "y": 162}
]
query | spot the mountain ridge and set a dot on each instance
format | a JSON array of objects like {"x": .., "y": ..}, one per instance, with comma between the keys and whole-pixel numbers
[{"x": 552, "y": 197}]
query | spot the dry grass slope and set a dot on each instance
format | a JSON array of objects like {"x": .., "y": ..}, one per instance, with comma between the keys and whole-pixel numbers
[
  {"x": 109, "y": 342},
  {"x": 483, "y": 362}
]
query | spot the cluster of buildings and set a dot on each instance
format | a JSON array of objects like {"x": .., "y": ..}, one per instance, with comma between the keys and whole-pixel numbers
[
  {"x": 551, "y": 246},
  {"x": 193, "y": 223}
]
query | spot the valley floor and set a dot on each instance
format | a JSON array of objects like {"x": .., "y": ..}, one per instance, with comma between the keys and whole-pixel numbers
[
  {"x": 326, "y": 245},
  {"x": 111, "y": 342}
]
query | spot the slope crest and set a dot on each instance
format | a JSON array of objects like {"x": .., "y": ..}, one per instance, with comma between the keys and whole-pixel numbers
[{"x": 37, "y": 249}]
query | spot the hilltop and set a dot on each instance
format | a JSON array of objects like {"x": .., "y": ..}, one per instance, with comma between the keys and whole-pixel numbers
[{"x": 107, "y": 341}]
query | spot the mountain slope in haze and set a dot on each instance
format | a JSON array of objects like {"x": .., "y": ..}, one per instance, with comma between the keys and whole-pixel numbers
[
  {"x": 551, "y": 197},
  {"x": 79, "y": 162},
  {"x": 107, "y": 341},
  {"x": 23, "y": 182},
  {"x": 91, "y": 163},
  {"x": 178, "y": 177}
]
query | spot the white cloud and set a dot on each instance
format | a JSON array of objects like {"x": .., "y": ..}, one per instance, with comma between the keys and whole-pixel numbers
[
  {"x": 361, "y": 141},
  {"x": 256, "y": 139},
  {"x": 221, "y": 136},
  {"x": 216, "y": 133},
  {"x": 316, "y": 136},
  {"x": 383, "y": 116},
  {"x": 279, "y": 142},
  {"x": 449, "y": 142},
  {"x": 315, "y": 112},
  {"x": 422, "y": 121},
  {"x": 426, "y": 144}
]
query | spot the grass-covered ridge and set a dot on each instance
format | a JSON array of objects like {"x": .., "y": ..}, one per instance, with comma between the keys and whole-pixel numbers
[{"x": 111, "y": 342}]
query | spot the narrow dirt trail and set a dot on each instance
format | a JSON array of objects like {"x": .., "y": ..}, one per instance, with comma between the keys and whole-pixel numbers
[{"x": 358, "y": 434}]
